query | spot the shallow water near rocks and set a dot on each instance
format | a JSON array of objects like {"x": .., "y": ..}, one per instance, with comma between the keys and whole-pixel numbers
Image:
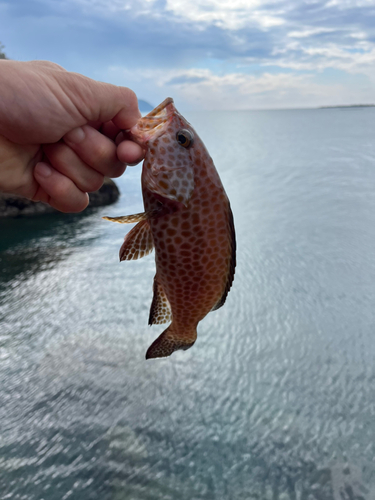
[{"x": 276, "y": 400}]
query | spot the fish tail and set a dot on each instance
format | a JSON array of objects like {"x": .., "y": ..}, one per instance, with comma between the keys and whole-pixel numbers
[{"x": 171, "y": 340}]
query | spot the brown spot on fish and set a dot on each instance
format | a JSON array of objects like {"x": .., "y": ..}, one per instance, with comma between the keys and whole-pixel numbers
[{"x": 186, "y": 246}]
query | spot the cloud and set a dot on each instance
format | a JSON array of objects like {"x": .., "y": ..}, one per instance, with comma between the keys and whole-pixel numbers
[
  {"x": 226, "y": 14},
  {"x": 214, "y": 48},
  {"x": 202, "y": 89},
  {"x": 186, "y": 79},
  {"x": 349, "y": 4},
  {"x": 308, "y": 32}
]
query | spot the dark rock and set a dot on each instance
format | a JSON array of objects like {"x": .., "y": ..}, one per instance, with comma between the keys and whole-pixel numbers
[
  {"x": 107, "y": 194},
  {"x": 14, "y": 206}
]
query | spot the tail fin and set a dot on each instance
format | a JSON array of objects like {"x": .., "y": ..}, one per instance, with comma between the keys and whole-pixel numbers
[{"x": 171, "y": 340}]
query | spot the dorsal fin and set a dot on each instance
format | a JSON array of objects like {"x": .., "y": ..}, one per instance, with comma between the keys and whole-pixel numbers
[
  {"x": 138, "y": 242},
  {"x": 232, "y": 264},
  {"x": 160, "y": 311}
]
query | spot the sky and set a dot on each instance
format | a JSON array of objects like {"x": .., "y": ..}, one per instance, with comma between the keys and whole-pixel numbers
[{"x": 206, "y": 54}]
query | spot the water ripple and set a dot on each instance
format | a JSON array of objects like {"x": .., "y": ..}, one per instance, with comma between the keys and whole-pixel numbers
[{"x": 275, "y": 400}]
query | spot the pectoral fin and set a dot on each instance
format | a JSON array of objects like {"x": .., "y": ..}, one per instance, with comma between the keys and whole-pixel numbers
[
  {"x": 143, "y": 216},
  {"x": 129, "y": 219},
  {"x": 138, "y": 242},
  {"x": 160, "y": 311}
]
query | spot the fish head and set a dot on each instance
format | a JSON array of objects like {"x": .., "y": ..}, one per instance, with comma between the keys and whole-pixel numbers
[{"x": 168, "y": 139}]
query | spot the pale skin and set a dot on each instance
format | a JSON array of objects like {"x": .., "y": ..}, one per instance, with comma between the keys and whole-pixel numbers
[{"x": 61, "y": 133}]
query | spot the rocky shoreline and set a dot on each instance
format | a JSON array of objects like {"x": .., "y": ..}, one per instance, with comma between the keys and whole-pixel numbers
[{"x": 15, "y": 206}]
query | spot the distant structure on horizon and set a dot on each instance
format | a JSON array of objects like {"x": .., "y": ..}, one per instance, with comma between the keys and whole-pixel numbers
[
  {"x": 349, "y": 106},
  {"x": 144, "y": 106}
]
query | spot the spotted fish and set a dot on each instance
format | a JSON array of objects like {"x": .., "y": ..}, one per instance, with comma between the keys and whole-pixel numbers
[{"x": 189, "y": 222}]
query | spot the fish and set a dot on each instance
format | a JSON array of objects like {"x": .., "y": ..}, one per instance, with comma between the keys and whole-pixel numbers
[{"x": 188, "y": 220}]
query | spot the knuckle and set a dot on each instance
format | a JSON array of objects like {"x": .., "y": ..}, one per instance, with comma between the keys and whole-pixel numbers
[
  {"x": 130, "y": 97},
  {"x": 100, "y": 152},
  {"x": 118, "y": 170},
  {"x": 95, "y": 183},
  {"x": 62, "y": 190},
  {"x": 73, "y": 205},
  {"x": 81, "y": 204}
]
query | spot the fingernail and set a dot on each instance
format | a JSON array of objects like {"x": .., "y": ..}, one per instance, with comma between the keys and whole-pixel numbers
[
  {"x": 75, "y": 136},
  {"x": 43, "y": 169}
]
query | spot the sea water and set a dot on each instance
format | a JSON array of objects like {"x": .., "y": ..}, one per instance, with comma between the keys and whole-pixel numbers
[{"x": 276, "y": 400}]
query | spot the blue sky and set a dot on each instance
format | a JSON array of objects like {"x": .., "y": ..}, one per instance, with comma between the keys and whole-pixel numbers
[{"x": 206, "y": 54}]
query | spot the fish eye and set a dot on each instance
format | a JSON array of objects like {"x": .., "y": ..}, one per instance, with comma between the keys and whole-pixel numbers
[{"x": 185, "y": 137}]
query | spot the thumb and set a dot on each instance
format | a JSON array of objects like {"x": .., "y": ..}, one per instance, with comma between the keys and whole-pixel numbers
[{"x": 102, "y": 102}]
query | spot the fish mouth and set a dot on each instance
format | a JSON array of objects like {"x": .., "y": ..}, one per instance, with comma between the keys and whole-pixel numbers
[{"x": 154, "y": 123}]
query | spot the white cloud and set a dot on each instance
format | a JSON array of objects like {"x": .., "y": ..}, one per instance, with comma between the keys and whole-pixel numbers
[
  {"x": 309, "y": 32},
  {"x": 227, "y": 14},
  {"x": 202, "y": 89},
  {"x": 350, "y": 4},
  {"x": 360, "y": 35},
  {"x": 358, "y": 58},
  {"x": 110, "y": 7},
  {"x": 279, "y": 40}
]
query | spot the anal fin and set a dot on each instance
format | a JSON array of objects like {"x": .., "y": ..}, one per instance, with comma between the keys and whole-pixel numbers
[
  {"x": 138, "y": 242},
  {"x": 160, "y": 311}
]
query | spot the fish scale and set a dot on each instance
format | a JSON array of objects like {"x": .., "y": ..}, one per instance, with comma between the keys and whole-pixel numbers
[{"x": 189, "y": 222}]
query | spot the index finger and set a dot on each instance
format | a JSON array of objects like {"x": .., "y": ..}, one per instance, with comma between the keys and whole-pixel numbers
[{"x": 130, "y": 152}]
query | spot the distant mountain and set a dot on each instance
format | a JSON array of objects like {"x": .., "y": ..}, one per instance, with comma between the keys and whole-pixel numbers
[
  {"x": 144, "y": 106},
  {"x": 349, "y": 106}
]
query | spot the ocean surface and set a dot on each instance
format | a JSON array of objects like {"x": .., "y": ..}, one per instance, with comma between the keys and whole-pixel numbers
[{"x": 275, "y": 401}]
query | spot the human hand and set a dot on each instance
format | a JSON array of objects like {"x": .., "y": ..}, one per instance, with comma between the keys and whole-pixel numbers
[{"x": 61, "y": 133}]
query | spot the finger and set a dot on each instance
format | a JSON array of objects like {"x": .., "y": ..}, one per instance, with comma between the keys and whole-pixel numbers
[
  {"x": 67, "y": 162},
  {"x": 125, "y": 135},
  {"x": 62, "y": 193},
  {"x": 96, "y": 150},
  {"x": 110, "y": 130},
  {"x": 130, "y": 152}
]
